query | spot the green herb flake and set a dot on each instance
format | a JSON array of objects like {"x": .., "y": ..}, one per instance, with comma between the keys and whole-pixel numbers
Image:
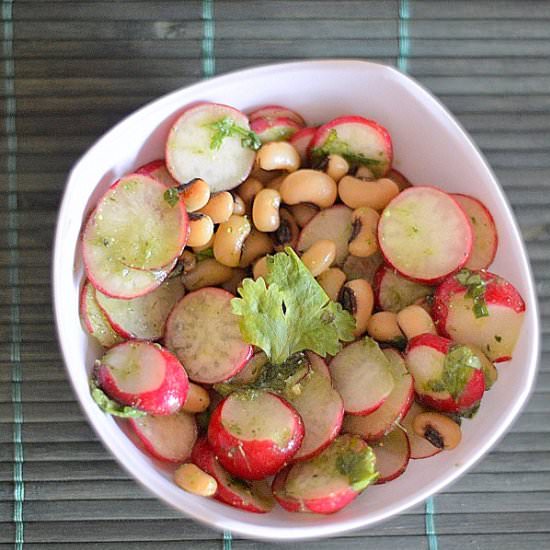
[
  {"x": 476, "y": 287},
  {"x": 358, "y": 464},
  {"x": 498, "y": 338},
  {"x": 172, "y": 196},
  {"x": 112, "y": 407},
  {"x": 226, "y": 127},
  {"x": 204, "y": 254}
]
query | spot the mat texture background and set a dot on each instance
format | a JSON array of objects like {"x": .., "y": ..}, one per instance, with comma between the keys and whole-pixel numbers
[{"x": 70, "y": 70}]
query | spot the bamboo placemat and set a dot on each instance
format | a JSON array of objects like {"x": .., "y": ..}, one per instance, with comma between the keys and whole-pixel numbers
[{"x": 72, "y": 69}]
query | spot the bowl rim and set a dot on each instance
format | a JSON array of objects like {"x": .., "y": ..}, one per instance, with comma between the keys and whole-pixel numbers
[{"x": 301, "y": 531}]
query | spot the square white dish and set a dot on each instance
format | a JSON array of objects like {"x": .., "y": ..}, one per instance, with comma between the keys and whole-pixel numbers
[{"x": 430, "y": 147}]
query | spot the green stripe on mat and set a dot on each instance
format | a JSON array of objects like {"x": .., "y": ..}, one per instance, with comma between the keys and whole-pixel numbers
[{"x": 13, "y": 242}]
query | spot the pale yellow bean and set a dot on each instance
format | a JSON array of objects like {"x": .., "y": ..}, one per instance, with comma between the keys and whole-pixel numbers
[
  {"x": 364, "y": 173},
  {"x": 337, "y": 167},
  {"x": 256, "y": 244},
  {"x": 209, "y": 244},
  {"x": 303, "y": 212},
  {"x": 356, "y": 192},
  {"x": 196, "y": 194},
  {"x": 309, "y": 186},
  {"x": 207, "y": 272},
  {"x": 260, "y": 268},
  {"x": 415, "y": 320},
  {"x": 193, "y": 480},
  {"x": 332, "y": 280},
  {"x": 229, "y": 239},
  {"x": 438, "y": 429},
  {"x": 363, "y": 241},
  {"x": 201, "y": 229},
  {"x": 248, "y": 190},
  {"x": 382, "y": 326},
  {"x": 239, "y": 207},
  {"x": 265, "y": 210},
  {"x": 357, "y": 297},
  {"x": 288, "y": 232},
  {"x": 319, "y": 256},
  {"x": 219, "y": 207},
  {"x": 197, "y": 399},
  {"x": 278, "y": 155}
]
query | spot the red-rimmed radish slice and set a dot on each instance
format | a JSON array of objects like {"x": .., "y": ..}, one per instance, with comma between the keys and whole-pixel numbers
[
  {"x": 94, "y": 320},
  {"x": 156, "y": 169},
  {"x": 333, "y": 224},
  {"x": 420, "y": 447},
  {"x": 392, "y": 292},
  {"x": 143, "y": 317},
  {"x": 276, "y": 111},
  {"x": 377, "y": 424},
  {"x": 167, "y": 438},
  {"x": 399, "y": 178},
  {"x": 255, "y": 433},
  {"x": 320, "y": 407},
  {"x": 358, "y": 136},
  {"x": 424, "y": 234},
  {"x": 253, "y": 496},
  {"x": 190, "y": 154},
  {"x": 327, "y": 482},
  {"x": 144, "y": 376},
  {"x": 392, "y": 455},
  {"x": 362, "y": 268},
  {"x": 274, "y": 129},
  {"x": 361, "y": 375},
  {"x": 485, "y": 243},
  {"x": 204, "y": 334},
  {"x": 495, "y": 334},
  {"x": 302, "y": 140},
  {"x": 427, "y": 358}
]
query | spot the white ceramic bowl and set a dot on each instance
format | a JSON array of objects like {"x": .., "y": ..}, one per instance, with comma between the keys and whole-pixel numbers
[{"x": 430, "y": 148}]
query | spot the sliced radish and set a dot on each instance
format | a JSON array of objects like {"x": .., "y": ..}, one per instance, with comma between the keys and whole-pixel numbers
[
  {"x": 191, "y": 152},
  {"x": 399, "y": 178},
  {"x": 444, "y": 377},
  {"x": 420, "y": 447},
  {"x": 329, "y": 481},
  {"x": 156, "y": 169},
  {"x": 314, "y": 395},
  {"x": 254, "y": 433},
  {"x": 276, "y": 111},
  {"x": 132, "y": 236},
  {"x": 424, "y": 234},
  {"x": 333, "y": 224},
  {"x": 485, "y": 243},
  {"x": 359, "y": 140},
  {"x": 252, "y": 496},
  {"x": 274, "y": 129},
  {"x": 204, "y": 334},
  {"x": 361, "y": 375},
  {"x": 168, "y": 438},
  {"x": 144, "y": 376},
  {"x": 362, "y": 268},
  {"x": 455, "y": 314},
  {"x": 376, "y": 425},
  {"x": 143, "y": 317},
  {"x": 392, "y": 455},
  {"x": 393, "y": 292},
  {"x": 94, "y": 320},
  {"x": 301, "y": 141}
]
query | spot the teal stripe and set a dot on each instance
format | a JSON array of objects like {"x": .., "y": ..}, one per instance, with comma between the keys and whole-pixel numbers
[
  {"x": 13, "y": 242},
  {"x": 208, "y": 60},
  {"x": 404, "y": 43},
  {"x": 227, "y": 538},
  {"x": 430, "y": 524}
]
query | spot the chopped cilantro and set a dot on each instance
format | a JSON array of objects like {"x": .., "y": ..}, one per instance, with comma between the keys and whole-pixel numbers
[
  {"x": 112, "y": 407},
  {"x": 226, "y": 127},
  {"x": 475, "y": 289},
  {"x": 204, "y": 254},
  {"x": 172, "y": 196}
]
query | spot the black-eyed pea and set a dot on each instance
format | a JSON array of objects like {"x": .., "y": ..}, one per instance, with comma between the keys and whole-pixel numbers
[
  {"x": 207, "y": 272},
  {"x": 363, "y": 241},
  {"x": 188, "y": 261},
  {"x": 197, "y": 399},
  {"x": 265, "y": 210},
  {"x": 319, "y": 256},
  {"x": 229, "y": 239},
  {"x": 194, "y": 480},
  {"x": 201, "y": 229},
  {"x": 438, "y": 429},
  {"x": 263, "y": 176},
  {"x": 303, "y": 212},
  {"x": 414, "y": 320},
  {"x": 309, "y": 186},
  {"x": 336, "y": 167},
  {"x": 355, "y": 192},
  {"x": 357, "y": 297},
  {"x": 196, "y": 194},
  {"x": 364, "y": 172},
  {"x": 255, "y": 245},
  {"x": 259, "y": 269},
  {"x": 248, "y": 190},
  {"x": 239, "y": 207},
  {"x": 209, "y": 244},
  {"x": 382, "y": 326},
  {"x": 278, "y": 155},
  {"x": 219, "y": 207},
  {"x": 332, "y": 280},
  {"x": 287, "y": 233}
]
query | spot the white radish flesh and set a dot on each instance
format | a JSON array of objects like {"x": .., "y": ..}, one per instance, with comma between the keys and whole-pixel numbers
[
  {"x": 392, "y": 455},
  {"x": 394, "y": 293}
]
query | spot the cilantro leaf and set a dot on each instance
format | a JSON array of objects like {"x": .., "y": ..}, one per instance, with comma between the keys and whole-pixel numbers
[
  {"x": 292, "y": 314},
  {"x": 112, "y": 407},
  {"x": 476, "y": 290},
  {"x": 171, "y": 196},
  {"x": 359, "y": 466},
  {"x": 226, "y": 127},
  {"x": 204, "y": 254}
]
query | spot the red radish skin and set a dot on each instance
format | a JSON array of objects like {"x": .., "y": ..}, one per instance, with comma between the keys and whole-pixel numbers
[
  {"x": 250, "y": 452},
  {"x": 301, "y": 141},
  {"x": 167, "y": 438},
  {"x": 276, "y": 111},
  {"x": 428, "y": 365},
  {"x": 363, "y": 135},
  {"x": 278, "y": 489},
  {"x": 420, "y": 447},
  {"x": 274, "y": 129},
  {"x": 425, "y": 235},
  {"x": 157, "y": 170},
  {"x": 485, "y": 243},
  {"x": 143, "y": 375},
  {"x": 497, "y": 334},
  {"x": 204, "y": 334},
  {"x": 245, "y": 495},
  {"x": 392, "y": 453}
]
